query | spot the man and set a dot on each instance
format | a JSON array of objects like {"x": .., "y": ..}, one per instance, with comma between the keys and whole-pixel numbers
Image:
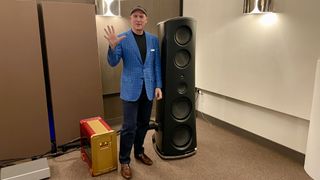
[{"x": 140, "y": 84}]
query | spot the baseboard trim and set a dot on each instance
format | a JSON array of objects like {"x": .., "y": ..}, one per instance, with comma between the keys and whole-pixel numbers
[{"x": 290, "y": 153}]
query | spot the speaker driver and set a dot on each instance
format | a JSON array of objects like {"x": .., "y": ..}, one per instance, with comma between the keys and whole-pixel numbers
[
  {"x": 182, "y": 59},
  {"x": 183, "y": 35},
  {"x": 182, "y": 88},
  {"x": 181, "y": 137},
  {"x": 181, "y": 108}
]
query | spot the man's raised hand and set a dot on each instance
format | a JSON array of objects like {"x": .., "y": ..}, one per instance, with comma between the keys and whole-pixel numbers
[{"x": 111, "y": 36}]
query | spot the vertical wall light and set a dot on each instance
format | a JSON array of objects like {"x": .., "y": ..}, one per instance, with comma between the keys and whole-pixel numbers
[
  {"x": 108, "y": 7},
  {"x": 257, "y": 6}
]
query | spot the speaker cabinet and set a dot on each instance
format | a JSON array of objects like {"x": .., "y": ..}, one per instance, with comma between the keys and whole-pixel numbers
[{"x": 175, "y": 136}]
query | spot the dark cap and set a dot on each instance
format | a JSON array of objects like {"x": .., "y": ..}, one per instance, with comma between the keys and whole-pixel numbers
[{"x": 140, "y": 8}]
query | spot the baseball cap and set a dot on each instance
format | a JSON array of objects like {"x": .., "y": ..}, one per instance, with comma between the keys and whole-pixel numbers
[{"x": 138, "y": 7}]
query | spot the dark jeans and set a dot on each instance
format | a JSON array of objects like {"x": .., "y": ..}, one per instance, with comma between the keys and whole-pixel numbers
[{"x": 136, "y": 117}]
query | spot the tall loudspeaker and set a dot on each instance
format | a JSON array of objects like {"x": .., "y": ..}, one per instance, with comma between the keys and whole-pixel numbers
[{"x": 175, "y": 136}]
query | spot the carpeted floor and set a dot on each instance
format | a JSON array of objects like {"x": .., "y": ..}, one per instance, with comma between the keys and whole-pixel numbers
[{"x": 221, "y": 155}]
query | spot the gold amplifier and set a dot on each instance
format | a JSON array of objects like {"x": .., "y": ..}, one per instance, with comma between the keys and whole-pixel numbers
[{"x": 98, "y": 145}]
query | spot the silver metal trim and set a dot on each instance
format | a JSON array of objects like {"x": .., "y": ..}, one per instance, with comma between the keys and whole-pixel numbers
[
  {"x": 257, "y": 6},
  {"x": 171, "y": 157}
]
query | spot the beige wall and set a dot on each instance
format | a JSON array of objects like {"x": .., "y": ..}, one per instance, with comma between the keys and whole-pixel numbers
[
  {"x": 110, "y": 75},
  {"x": 157, "y": 11},
  {"x": 258, "y": 76}
]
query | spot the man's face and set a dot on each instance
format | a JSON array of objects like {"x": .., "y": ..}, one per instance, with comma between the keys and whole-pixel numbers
[{"x": 138, "y": 20}]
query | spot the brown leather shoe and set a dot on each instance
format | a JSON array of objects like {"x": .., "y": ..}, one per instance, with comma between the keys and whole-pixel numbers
[
  {"x": 126, "y": 171},
  {"x": 144, "y": 159}
]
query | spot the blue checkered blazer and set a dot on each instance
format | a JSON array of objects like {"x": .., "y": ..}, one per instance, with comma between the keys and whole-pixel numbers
[{"x": 134, "y": 72}]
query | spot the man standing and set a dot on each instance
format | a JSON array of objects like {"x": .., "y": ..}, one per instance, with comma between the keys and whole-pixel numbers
[{"x": 140, "y": 84}]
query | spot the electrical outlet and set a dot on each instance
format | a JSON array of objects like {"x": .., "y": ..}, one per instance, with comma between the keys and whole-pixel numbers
[{"x": 199, "y": 91}]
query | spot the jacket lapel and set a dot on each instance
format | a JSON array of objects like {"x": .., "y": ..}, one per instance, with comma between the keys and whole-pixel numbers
[{"x": 148, "y": 44}]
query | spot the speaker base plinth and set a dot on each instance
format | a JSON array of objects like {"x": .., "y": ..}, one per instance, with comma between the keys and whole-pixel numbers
[{"x": 171, "y": 156}]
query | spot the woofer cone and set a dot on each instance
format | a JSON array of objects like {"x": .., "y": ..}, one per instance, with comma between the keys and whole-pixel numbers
[
  {"x": 183, "y": 35},
  {"x": 181, "y": 137},
  {"x": 181, "y": 108},
  {"x": 182, "y": 59}
]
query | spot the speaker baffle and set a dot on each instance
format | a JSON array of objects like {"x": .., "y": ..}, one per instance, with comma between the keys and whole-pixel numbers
[
  {"x": 181, "y": 137},
  {"x": 182, "y": 88},
  {"x": 182, "y": 59},
  {"x": 183, "y": 35},
  {"x": 176, "y": 136},
  {"x": 181, "y": 108}
]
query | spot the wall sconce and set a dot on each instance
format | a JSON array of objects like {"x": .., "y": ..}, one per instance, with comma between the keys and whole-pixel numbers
[
  {"x": 108, "y": 7},
  {"x": 257, "y": 6}
]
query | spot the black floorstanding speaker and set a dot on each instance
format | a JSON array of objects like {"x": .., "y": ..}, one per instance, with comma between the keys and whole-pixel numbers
[{"x": 175, "y": 136}]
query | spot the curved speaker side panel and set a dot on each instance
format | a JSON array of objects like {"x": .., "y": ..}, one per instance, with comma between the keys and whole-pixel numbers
[{"x": 176, "y": 134}]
